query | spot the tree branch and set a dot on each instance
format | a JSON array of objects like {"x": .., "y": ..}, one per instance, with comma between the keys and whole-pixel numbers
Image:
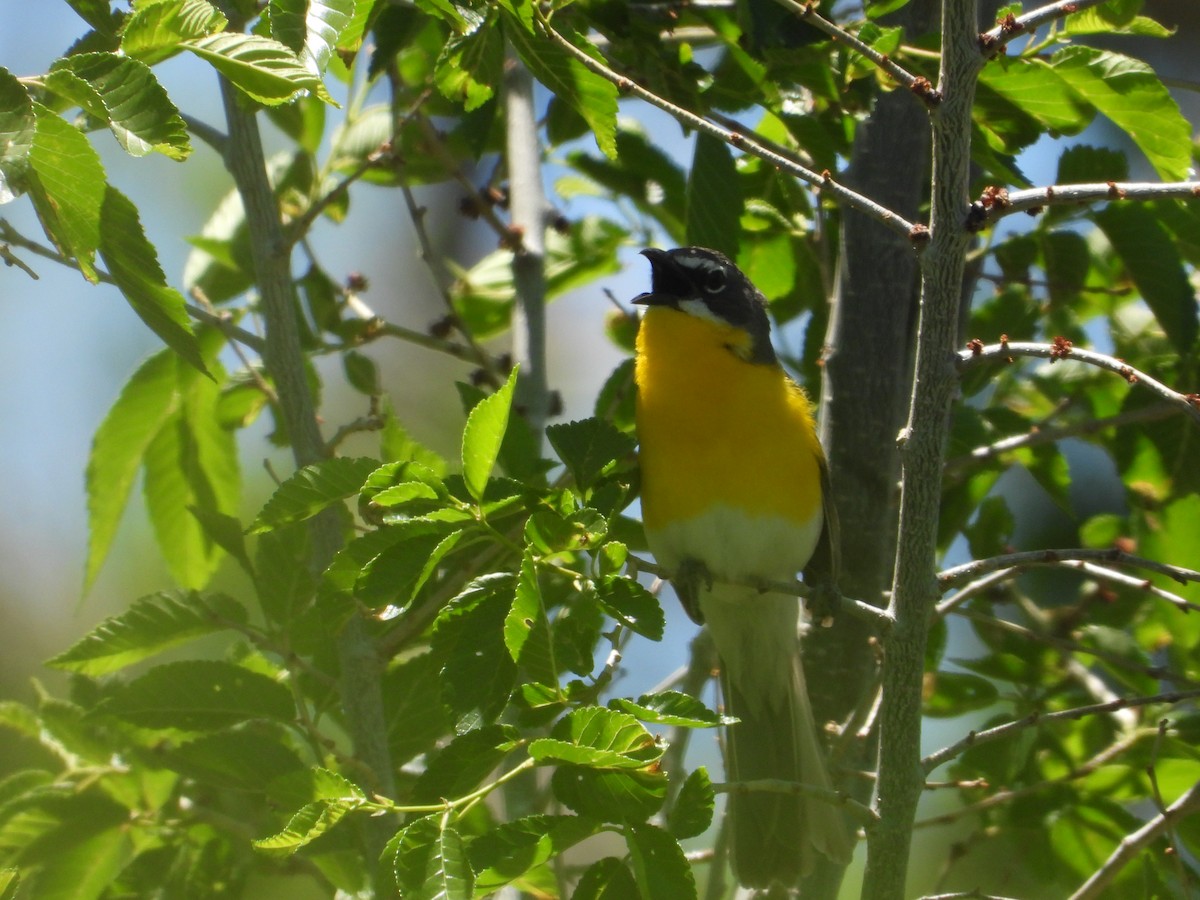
[
  {"x": 359, "y": 662},
  {"x": 1063, "y": 349},
  {"x": 918, "y": 84},
  {"x": 823, "y": 181},
  {"x": 1011, "y": 27},
  {"x": 975, "y": 738},
  {"x": 527, "y": 203},
  {"x": 996, "y": 203},
  {"x": 1133, "y": 844},
  {"x": 948, "y": 578},
  {"x": 923, "y": 452}
]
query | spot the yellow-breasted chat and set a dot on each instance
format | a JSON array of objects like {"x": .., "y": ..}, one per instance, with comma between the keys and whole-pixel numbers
[{"x": 735, "y": 490}]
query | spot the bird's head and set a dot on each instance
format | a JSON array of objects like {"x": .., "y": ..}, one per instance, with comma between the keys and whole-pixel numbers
[{"x": 706, "y": 284}]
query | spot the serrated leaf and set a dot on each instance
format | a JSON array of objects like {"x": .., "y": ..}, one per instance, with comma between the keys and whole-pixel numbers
[
  {"x": 470, "y": 66},
  {"x": 156, "y": 31},
  {"x": 478, "y": 673},
  {"x": 192, "y": 462},
  {"x": 611, "y": 795},
  {"x": 1129, "y": 93},
  {"x": 84, "y": 865},
  {"x": 411, "y": 850},
  {"x": 606, "y": 879},
  {"x": 311, "y": 28},
  {"x": 587, "y": 446},
  {"x": 150, "y": 625},
  {"x": 10, "y": 881},
  {"x": 138, "y": 111},
  {"x": 633, "y": 606},
  {"x": 957, "y": 693},
  {"x": 671, "y": 708},
  {"x": 483, "y": 435},
  {"x": 465, "y": 762},
  {"x": 264, "y": 69},
  {"x": 449, "y": 872},
  {"x": 17, "y": 127},
  {"x": 598, "y": 738},
  {"x": 1038, "y": 90},
  {"x": 309, "y": 822},
  {"x": 132, "y": 263},
  {"x": 66, "y": 182},
  {"x": 200, "y": 695},
  {"x": 415, "y": 716},
  {"x": 510, "y": 850},
  {"x": 241, "y": 759},
  {"x": 527, "y": 628},
  {"x": 145, "y": 403},
  {"x": 1153, "y": 262},
  {"x": 692, "y": 812},
  {"x": 313, "y": 488},
  {"x": 591, "y": 96},
  {"x": 714, "y": 198},
  {"x": 658, "y": 863}
]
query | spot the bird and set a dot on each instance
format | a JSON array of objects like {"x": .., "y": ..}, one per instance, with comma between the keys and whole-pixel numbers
[{"x": 734, "y": 494}]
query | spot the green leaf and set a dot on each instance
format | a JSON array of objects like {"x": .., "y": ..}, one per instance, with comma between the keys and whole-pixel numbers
[
  {"x": 527, "y": 628},
  {"x": 598, "y": 738},
  {"x": 84, "y": 866},
  {"x": 157, "y": 30},
  {"x": 146, "y": 402},
  {"x": 191, "y": 463},
  {"x": 124, "y": 93},
  {"x": 67, "y": 185},
  {"x": 611, "y": 795},
  {"x": 313, "y": 488},
  {"x": 957, "y": 693},
  {"x": 658, "y": 863},
  {"x": 18, "y": 125},
  {"x": 692, "y": 812},
  {"x": 200, "y": 695},
  {"x": 591, "y": 96},
  {"x": 510, "y": 850},
  {"x": 478, "y": 673},
  {"x": 714, "y": 198},
  {"x": 1153, "y": 262},
  {"x": 1129, "y": 93},
  {"x": 483, "y": 435},
  {"x": 1038, "y": 90},
  {"x": 633, "y": 606},
  {"x": 132, "y": 262},
  {"x": 471, "y": 65},
  {"x": 310, "y": 822},
  {"x": 606, "y": 879},
  {"x": 449, "y": 872},
  {"x": 671, "y": 708},
  {"x": 240, "y": 760},
  {"x": 587, "y": 447},
  {"x": 412, "y": 851},
  {"x": 312, "y": 28},
  {"x": 150, "y": 625},
  {"x": 10, "y": 881},
  {"x": 266, "y": 70},
  {"x": 462, "y": 765},
  {"x": 415, "y": 716}
]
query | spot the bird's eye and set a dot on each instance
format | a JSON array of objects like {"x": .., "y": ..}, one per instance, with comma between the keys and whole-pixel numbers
[{"x": 714, "y": 280}]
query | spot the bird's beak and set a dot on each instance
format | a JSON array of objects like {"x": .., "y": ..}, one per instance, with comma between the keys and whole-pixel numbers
[{"x": 667, "y": 280}]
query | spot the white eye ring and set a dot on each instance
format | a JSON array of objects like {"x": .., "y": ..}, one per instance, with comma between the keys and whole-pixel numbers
[{"x": 714, "y": 280}]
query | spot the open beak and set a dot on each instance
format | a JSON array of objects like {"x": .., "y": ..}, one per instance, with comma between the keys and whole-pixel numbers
[{"x": 668, "y": 283}]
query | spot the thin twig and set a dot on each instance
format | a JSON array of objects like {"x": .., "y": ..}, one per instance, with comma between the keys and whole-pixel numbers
[
  {"x": 993, "y": 42},
  {"x": 298, "y": 228},
  {"x": 918, "y": 84},
  {"x": 876, "y": 616},
  {"x": 996, "y": 203},
  {"x": 975, "y": 738},
  {"x": 1101, "y": 759},
  {"x": 1062, "y": 349},
  {"x": 11, "y": 259},
  {"x": 858, "y": 811},
  {"x": 823, "y": 181},
  {"x": 1133, "y": 844},
  {"x": 1040, "y": 435},
  {"x": 214, "y": 137},
  {"x": 948, "y": 578}
]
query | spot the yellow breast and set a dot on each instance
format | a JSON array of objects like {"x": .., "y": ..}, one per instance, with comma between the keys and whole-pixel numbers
[{"x": 717, "y": 431}]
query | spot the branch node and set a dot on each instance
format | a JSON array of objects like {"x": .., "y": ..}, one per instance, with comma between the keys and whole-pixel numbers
[{"x": 1060, "y": 349}]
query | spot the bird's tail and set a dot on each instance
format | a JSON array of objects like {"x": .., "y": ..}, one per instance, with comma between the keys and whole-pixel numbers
[{"x": 775, "y": 836}]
